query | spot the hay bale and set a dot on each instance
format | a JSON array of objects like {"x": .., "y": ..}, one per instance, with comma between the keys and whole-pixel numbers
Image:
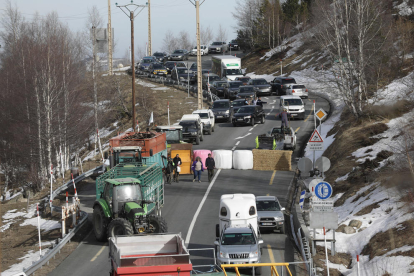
[{"x": 269, "y": 160}]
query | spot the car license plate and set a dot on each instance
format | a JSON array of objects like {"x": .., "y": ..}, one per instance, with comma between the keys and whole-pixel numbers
[
  {"x": 240, "y": 120},
  {"x": 219, "y": 116},
  {"x": 294, "y": 114},
  {"x": 266, "y": 223}
]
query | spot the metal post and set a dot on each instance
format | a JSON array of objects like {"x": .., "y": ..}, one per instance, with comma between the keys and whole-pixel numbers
[
  {"x": 333, "y": 251},
  {"x": 74, "y": 211},
  {"x": 63, "y": 222},
  {"x": 281, "y": 67},
  {"x": 326, "y": 252},
  {"x": 188, "y": 81},
  {"x": 51, "y": 188},
  {"x": 109, "y": 39},
  {"x": 38, "y": 229},
  {"x": 131, "y": 17},
  {"x": 67, "y": 203},
  {"x": 199, "y": 89},
  {"x": 149, "y": 29},
  {"x": 358, "y": 265}
]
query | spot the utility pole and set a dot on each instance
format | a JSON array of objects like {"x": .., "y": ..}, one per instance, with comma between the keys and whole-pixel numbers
[
  {"x": 197, "y": 4},
  {"x": 110, "y": 72},
  {"x": 131, "y": 17},
  {"x": 149, "y": 28},
  {"x": 95, "y": 88}
]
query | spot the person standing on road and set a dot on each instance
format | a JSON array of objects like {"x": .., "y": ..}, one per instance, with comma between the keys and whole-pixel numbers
[
  {"x": 177, "y": 161},
  {"x": 211, "y": 165},
  {"x": 260, "y": 102},
  {"x": 197, "y": 168},
  {"x": 246, "y": 102},
  {"x": 284, "y": 116}
]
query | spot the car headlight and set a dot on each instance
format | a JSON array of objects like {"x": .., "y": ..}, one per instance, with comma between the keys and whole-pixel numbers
[
  {"x": 179, "y": 56},
  {"x": 247, "y": 117},
  {"x": 193, "y": 133},
  {"x": 227, "y": 111},
  {"x": 223, "y": 254},
  {"x": 254, "y": 254},
  {"x": 279, "y": 218}
]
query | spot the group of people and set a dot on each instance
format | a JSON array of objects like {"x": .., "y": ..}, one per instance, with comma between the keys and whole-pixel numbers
[
  {"x": 256, "y": 101},
  {"x": 174, "y": 167}
]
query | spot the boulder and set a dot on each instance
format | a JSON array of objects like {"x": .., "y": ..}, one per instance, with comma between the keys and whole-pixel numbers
[
  {"x": 355, "y": 223},
  {"x": 362, "y": 229},
  {"x": 340, "y": 228},
  {"x": 348, "y": 230}
]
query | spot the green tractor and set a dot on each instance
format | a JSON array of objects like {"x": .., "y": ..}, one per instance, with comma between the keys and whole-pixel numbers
[{"x": 129, "y": 198}]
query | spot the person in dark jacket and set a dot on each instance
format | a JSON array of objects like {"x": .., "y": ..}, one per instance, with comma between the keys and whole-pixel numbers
[
  {"x": 246, "y": 101},
  {"x": 211, "y": 165},
  {"x": 284, "y": 116},
  {"x": 260, "y": 102},
  {"x": 197, "y": 168},
  {"x": 177, "y": 162}
]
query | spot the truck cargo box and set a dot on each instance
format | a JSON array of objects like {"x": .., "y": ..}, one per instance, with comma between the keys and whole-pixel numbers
[{"x": 156, "y": 141}]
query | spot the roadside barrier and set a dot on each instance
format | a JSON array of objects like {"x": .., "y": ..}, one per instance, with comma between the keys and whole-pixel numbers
[
  {"x": 203, "y": 154},
  {"x": 243, "y": 160},
  {"x": 223, "y": 159},
  {"x": 270, "y": 160}
]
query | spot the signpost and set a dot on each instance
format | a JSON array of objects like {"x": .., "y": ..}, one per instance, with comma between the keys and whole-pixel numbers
[
  {"x": 316, "y": 141},
  {"x": 323, "y": 190}
]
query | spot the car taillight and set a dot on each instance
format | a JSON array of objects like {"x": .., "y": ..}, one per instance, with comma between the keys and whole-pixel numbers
[
  {"x": 293, "y": 91},
  {"x": 281, "y": 86},
  {"x": 306, "y": 90}
]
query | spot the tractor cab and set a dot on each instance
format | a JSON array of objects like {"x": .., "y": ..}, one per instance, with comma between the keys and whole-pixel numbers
[{"x": 174, "y": 133}]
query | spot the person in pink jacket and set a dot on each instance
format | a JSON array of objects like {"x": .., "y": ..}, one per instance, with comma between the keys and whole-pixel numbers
[{"x": 197, "y": 168}]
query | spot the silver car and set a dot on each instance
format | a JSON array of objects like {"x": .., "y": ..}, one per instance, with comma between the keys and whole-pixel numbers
[
  {"x": 218, "y": 47},
  {"x": 297, "y": 90},
  {"x": 270, "y": 213},
  {"x": 238, "y": 245}
]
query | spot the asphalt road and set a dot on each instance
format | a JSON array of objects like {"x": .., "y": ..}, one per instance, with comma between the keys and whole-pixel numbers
[{"x": 182, "y": 209}]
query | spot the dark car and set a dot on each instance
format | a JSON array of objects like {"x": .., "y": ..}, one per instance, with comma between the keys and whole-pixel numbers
[
  {"x": 278, "y": 84},
  {"x": 207, "y": 78},
  {"x": 183, "y": 75},
  {"x": 234, "y": 45},
  {"x": 237, "y": 104},
  {"x": 160, "y": 56},
  {"x": 249, "y": 114},
  {"x": 247, "y": 92},
  {"x": 218, "y": 88},
  {"x": 170, "y": 65},
  {"x": 145, "y": 63},
  {"x": 261, "y": 86},
  {"x": 157, "y": 69},
  {"x": 179, "y": 54},
  {"x": 222, "y": 110},
  {"x": 244, "y": 80},
  {"x": 232, "y": 90}
]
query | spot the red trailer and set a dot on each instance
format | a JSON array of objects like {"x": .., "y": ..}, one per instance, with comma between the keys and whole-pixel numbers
[{"x": 149, "y": 255}]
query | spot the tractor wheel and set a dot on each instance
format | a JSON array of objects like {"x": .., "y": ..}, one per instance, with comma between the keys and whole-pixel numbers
[
  {"x": 157, "y": 224},
  {"x": 99, "y": 223},
  {"x": 120, "y": 227}
]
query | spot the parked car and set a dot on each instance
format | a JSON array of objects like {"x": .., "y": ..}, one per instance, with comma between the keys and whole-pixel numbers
[
  {"x": 218, "y": 87},
  {"x": 270, "y": 213},
  {"x": 161, "y": 56},
  {"x": 183, "y": 75},
  {"x": 294, "y": 105},
  {"x": 180, "y": 54},
  {"x": 222, "y": 110},
  {"x": 249, "y": 114},
  {"x": 244, "y": 80},
  {"x": 218, "y": 47},
  {"x": 279, "y": 84},
  {"x": 231, "y": 91},
  {"x": 207, "y": 118},
  {"x": 237, "y": 104},
  {"x": 157, "y": 69},
  {"x": 170, "y": 65},
  {"x": 203, "y": 50},
  {"x": 261, "y": 86},
  {"x": 234, "y": 45},
  {"x": 248, "y": 92},
  {"x": 145, "y": 63},
  {"x": 208, "y": 78},
  {"x": 297, "y": 90}
]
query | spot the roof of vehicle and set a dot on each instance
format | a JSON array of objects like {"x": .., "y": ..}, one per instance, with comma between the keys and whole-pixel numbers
[
  {"x": 201, "y": 111},
  {"x": 120, "y": 181},
  {"x": 149, "y": 57},
  {"x": 173, "y": 127},
  {"x": 190, "y": 117},
  {"x": 222, "y": 100},
  {"x": 283, "y": 78},
  {"x": 263, "y": 198},
  {"x": 239, "y": 228},
  {"x": 211, "y": 74},
  {"x": 236, "y": 81},
  {"x": 258, "y": 79},
  {"x": 239, "y": 100},
  {"x": 290, "y": 97}
]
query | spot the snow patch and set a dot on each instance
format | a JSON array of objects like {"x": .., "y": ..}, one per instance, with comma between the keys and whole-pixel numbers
[
  {"x": 405, "y": 9},
  {"x": 399, "y": 89},
  {"x": 27, "y": 261}
]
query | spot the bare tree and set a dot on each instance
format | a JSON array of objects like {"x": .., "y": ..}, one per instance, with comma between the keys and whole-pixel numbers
[
  {"x": 221, "y": 34},
  {"x": 206, "y": 35},
  {"x": 184, "y": 40},
  {"x": 170, "y": 42}
]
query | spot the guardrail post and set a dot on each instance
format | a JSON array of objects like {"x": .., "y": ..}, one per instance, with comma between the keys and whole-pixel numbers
[
  {"x": 63, "y": 222},
  {"x": 74, "y": 212}
]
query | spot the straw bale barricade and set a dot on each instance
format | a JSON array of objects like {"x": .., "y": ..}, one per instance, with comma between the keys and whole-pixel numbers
[{"x": 269, "y": 160}]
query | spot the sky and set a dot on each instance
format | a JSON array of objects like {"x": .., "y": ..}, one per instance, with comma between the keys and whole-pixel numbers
[{"x": 174, "y": 15}]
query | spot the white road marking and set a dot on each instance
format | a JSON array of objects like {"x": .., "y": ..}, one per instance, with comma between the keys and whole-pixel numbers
[
  {"x": 254, "y": 127},
  {"x": 273, "y": 107},
  {"x": 238, "y": 142},
  {"x": 190, "y": 230},
  {"x": 268, "y": 113},
  {"x": 251, "y": 129},
  {"x": 233, "y": 148},
  {"x": 241, "y": 137},
  {"x": 266, "y": 97}
]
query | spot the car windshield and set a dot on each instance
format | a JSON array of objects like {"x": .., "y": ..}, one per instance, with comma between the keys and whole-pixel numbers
[
  {"x": 188, "y": 124},
  {"x": 234, "y": 41},
  {"x": 235, "y": 84},
  {"x": 286, "y": 81},
  {"x": 221, "y": 105},
  {"x": 238, "y": 239},
  {"x": 217, "y": 43},
  {"x": 238, "y": 103},
  {"x": 293, "y": 102},
  {"x": 246, "y": 109},
  {"x": 259, "y": 82},
  {"x": 195, "y": 47},
  {"x": 246, "y": 89},
  {"x": 147, "y": 60},
  {"x": 178, "y": 51},
  {"x": 269, "y": 205},
  {"x": 173, "y": 135},
  {"x": 244, "y": 79},
  {"x": 221, "y": 84},
  {"x": 126, "y": 193},
  {"x": 193, "y": 66},
  {"x": 158, "y": 66},
  {"x": 203, "y": 115},
  {"x": 234, "y": 72},
  {"x": 158, "y": 54},
  {"x": 182, "y": 71},
  {"x": 298, "y": 87},
  {"x": 213, "y": 78}
]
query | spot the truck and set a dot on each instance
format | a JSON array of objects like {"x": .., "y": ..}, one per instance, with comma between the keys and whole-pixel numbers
[
  {"x": 226, "y": 67},
  {"x": 237, "y": 235}
]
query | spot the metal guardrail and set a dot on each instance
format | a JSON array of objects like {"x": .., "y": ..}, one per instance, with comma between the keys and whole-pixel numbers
[{"x": 62, "y": 242}]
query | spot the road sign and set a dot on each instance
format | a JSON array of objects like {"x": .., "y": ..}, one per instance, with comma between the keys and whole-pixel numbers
[
  {"x": 316, "y": 137},
  {"x": 302, "y": 199},
  {"x": 321, "y": 114},
  {"x": 313, "y": 184},
  {"x": 322, "y": 205},
  {"x": 319, "y": 220},
  {"x": 323, "y": 163},
  {"x": 305, "y": 164},
  {"x": 323, "y": 190},
  {"x": 316, "y": 146},
  {"x": 321, "y": 209}
]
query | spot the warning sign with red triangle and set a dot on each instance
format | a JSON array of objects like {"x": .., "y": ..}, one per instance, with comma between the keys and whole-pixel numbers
[{"x": 316, "y": 137}]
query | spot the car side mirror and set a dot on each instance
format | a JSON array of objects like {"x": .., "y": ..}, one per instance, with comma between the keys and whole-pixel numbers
[
  {"x": 260, "y": 241},
  {"x": 216, "y": 243},
  {"x": 283, "y": 208},
  {"x": 269, "y": 132}
]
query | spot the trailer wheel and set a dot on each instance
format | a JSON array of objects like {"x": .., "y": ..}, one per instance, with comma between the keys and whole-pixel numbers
[
  {"x": 157, "y": 224},
  {"x": 99, "y": 223},
  {"x": 120, "y": 226}
]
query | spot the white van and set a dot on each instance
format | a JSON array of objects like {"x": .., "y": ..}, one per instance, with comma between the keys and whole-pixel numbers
[{"x": 294, "y": 105}]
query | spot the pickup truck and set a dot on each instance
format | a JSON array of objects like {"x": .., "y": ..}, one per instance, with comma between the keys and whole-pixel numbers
[
  {"x": 249, "y": 114},
  {"x": 192, "y": 128},
  {"x": 285, "y": 139}
]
